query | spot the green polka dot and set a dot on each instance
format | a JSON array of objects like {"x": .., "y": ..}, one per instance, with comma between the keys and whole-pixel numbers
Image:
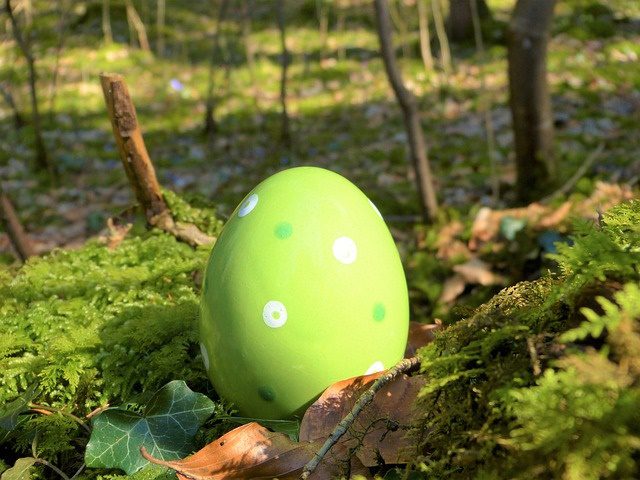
[
  {"x": 283, "y": 230},
  {"x": 379, "y": 312},
  {"x": 267, "y": 394}
]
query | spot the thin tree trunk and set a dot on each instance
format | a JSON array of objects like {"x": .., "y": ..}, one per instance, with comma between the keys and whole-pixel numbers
[
  {"x": 530, "y": 103},
  {"x": 106, "y": 22},
  {"x": 19, "y": 238},
  {"x": 396, "y": 17},
  {"x": 42, "y": 158},
  {"x": 340, "y": 21},
  {"x": 417, "y": 146},
  {"x": 160, "y": 27},
  {"x": 250, "y": 52},
  {"x": 285, "y": 131},
  {"x": 323, "y": 26},
  {"x": 18, "y": 121},
  {"x": 210, "y": 124},
  {"x": 461, "y": 18},
  {"x": 485, "y": 104},
  {"x": 441, "y": 33},
  {"x": 53, "y": 89},
  {"x": 425, "y": 36},
  {"x": 138, "y": 25}
]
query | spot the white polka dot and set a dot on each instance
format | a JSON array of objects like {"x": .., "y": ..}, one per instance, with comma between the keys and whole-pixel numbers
[
  {"x": 345, "y": 250},
  {"x": 375, "y": 368},
  {"x": 375, "y": 208},
  {"x": 205, "y": 356},
  {"x": 274, "y": 314},
  {"x": 248, "y": 205}
]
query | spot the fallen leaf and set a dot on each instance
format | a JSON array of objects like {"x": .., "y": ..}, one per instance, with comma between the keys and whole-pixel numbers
[
  {"x": 452, "y": 288},
  {"x": 252, "y": 451},
  {"x": 475, "y": 271},
  {"x": 420, "y": 334},
  {"x": 379, "y": 433}
]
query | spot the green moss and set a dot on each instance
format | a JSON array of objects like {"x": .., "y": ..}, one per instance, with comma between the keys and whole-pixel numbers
[
  {"x": 95, "y": 326},
  {"x": 508, "y": 397}
]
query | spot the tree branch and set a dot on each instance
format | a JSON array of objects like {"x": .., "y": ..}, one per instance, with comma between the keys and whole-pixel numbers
[
  {"x": 19, "y": 238},
  {"x": 137, "y": 163}
]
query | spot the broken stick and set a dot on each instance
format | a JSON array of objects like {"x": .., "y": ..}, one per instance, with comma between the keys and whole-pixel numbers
[
  {"x": 137, "y": 163},
  {"x": 19, "y": 238},
  {"x": 367, "y": 397}
]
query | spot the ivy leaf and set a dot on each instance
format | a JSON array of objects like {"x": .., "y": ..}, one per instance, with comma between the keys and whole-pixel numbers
[
  {"x": 20, "y": 471},
  {"x": 166, "y": 429},
  {"x": 9, "y": 412}
]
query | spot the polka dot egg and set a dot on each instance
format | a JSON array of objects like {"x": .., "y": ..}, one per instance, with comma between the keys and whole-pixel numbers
[{"x": 303, "y": 288}]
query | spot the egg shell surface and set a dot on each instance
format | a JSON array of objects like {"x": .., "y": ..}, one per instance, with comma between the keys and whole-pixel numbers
[{"x": 303, "y": 288}]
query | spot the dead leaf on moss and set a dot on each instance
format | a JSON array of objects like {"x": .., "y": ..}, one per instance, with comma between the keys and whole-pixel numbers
[
  {"x": 452, "y": 288},
  {"x": 252, "y": 451},
  {"x": 475, "y": 271},
  {"x": 381, "y": 431},
  {"x": 421, "y": 334}
]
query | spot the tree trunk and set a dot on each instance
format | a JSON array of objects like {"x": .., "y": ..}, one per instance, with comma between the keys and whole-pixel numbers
[
  {"x": 10, "y": 221},
  {"x": 323, "y": 26},
  {"x": 530, "y": 103},
  {"x": 135, "y": 20},
  {"x": 210, "y": 124},
  {"x": 425, "y": 36},
  {"x": 106, "y": 22},
  {"x": 417, "y": 146},
  {"x": 160, "y": 15},
  {"x": 5, "y": 93},
  {"x": 445, "y": 52},
  {"x": 42, "y": 157},
  {"x": 285, "y": 131},
  {"x": 461, "y": 18}
]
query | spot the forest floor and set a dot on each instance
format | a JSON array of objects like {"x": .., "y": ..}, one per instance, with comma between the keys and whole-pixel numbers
[{"x": 344, "y": 118}]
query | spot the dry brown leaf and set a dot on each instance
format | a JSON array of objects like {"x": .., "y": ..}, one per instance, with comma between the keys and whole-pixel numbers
[
  {"x": 252, "y": 451},
  {"x": 452, "y": 288},
  {"x": 475, "y": 271},
  {"x": 379, "y": 434},
  {"x": 117, "y": 233},
  {"x": 420, "y": 334}
]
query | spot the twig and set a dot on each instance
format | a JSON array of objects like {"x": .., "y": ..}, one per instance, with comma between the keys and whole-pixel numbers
[
  {"x": 137, "y": 163},
  {"x": 96, "y": 411},
  {"x": 19, "y": 238},
  {"x": 535, "y": 361},
  {"x": 403, "y": 366},
  {"x": 48, "y": 410},
  {"x": 569, "y": 184},
  {"x": 42, "y": 461}
]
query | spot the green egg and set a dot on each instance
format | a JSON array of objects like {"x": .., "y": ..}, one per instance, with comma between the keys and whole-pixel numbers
[{"x": 303, "y": 288}]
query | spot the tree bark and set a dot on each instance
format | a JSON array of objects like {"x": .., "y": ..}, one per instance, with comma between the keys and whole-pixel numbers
[
  {"x": 106, "y": 22},
  {"x": 443, "y": 40},
  {"x": 425, "y": 36},
  {"x": 461, "y": 18},
  {"x": 18, "y": 121},
  {"x": 417, "y": 146},
  {"x": 19, "y": 238},
  {"x": 138, "y": 25},
  {"x": 160, "y": 16},
  {"x": 42, "y": 157},
  {"x": 210, "y": 124},
  {"x": 137, "y": 163},
  {"x": 529, "y": 99},
  {"x": 285, "y": 131}
]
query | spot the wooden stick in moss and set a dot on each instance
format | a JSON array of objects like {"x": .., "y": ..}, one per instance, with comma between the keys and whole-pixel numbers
[
  {"x": 403, "y": 366},
  {"x": 137, "y": 163},
  {"x": 19, "y": 238}
]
